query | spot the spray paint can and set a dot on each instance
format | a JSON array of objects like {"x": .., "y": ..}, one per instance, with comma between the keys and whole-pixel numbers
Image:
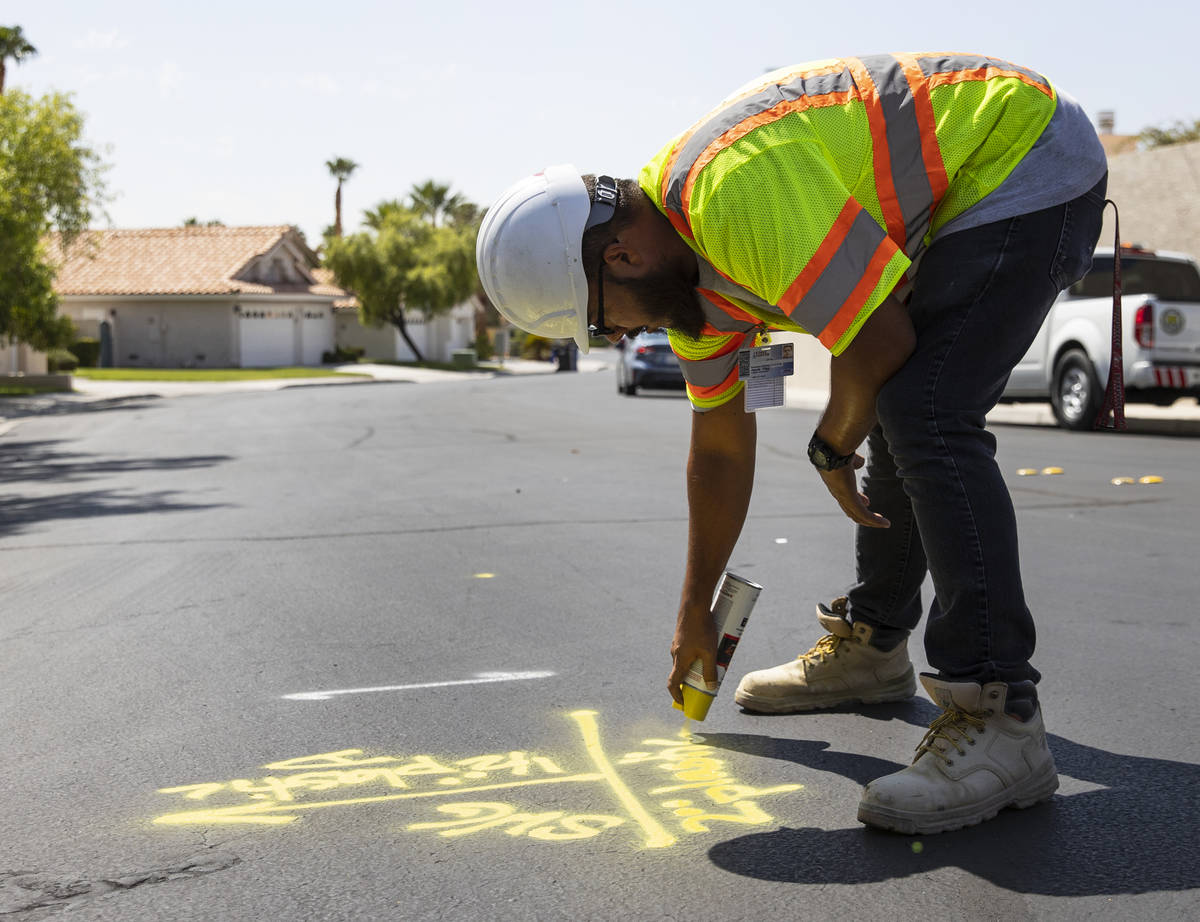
[{"x": 734, "y": 600}]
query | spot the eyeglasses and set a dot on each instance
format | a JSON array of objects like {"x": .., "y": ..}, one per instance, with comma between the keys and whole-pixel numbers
[
  {"x": 603, "y": 208},
  {"x": 599, "y": 328}
]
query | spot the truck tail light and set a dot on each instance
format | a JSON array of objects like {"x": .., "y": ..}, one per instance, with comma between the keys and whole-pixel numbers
[
  {"x": 1143, "y": 326},
  {"x": 642, "y": 350}
]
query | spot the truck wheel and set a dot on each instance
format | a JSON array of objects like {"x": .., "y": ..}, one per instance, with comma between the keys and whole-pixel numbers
[{"x": 1075, "y": 394}]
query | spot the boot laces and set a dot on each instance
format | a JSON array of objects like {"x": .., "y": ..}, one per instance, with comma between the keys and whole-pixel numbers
[
  {"x": 950, "y": 727},
  {"x": 826, "y": 646}
]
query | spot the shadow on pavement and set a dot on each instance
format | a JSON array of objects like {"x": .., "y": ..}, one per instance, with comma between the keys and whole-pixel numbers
[
  {"x": 1135, "y": 833},
  {"x": 44, "y": 462},
  {"x": 64, "y": 404}
]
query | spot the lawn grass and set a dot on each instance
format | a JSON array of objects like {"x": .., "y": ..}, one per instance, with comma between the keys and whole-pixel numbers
[
  {"x": 208, "y": 374},
  {"x": 8, "y": 390}
]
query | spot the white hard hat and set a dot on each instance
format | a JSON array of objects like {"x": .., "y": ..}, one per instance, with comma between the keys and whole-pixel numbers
[{"x": 530, "y": 251}]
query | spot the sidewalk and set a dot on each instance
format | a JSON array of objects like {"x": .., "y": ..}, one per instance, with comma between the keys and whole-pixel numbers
[
  {"x": 97, "y": 394},
  {"x": 805, "y": 392}
]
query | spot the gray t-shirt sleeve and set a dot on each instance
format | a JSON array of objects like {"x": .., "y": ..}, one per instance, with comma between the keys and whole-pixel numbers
[{"x": 1067, "y": 160}]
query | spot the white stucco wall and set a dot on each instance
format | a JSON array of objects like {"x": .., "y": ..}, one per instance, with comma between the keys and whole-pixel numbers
[{"x": 197, "y": 332}]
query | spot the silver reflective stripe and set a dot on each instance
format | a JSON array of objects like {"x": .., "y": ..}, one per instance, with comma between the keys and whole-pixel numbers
[
  {"x": 718, "y": 319},
  {"x": 910, "y": 177},
  {"x": 708, "y": 372},
  {"x": 833, "y": 287},
  {"x": 950, "y": 63},
  {"x": 712, "y": 280},
  {"x": 738, "y": 111}
]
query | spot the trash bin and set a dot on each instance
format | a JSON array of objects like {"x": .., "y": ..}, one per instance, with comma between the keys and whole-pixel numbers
[
  {"x": 463, "y": 359},
  {"x": 566, "y": 355}
]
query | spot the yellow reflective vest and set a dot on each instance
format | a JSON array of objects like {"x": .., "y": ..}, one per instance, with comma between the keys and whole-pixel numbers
[{"x": 809, "y": 193}]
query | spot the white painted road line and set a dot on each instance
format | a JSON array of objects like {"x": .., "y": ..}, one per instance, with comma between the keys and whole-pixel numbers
[{"x": 481, "y": 678}]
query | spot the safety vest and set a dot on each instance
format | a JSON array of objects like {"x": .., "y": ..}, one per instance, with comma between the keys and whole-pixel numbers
[{"x": 811, "y": 191}]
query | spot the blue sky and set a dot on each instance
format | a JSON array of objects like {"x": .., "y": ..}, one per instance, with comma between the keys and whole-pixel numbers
[{"x": 229, "y": 110}]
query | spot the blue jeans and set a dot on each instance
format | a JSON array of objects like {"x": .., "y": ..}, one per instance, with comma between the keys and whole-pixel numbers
[{"x": 978, "y": 300}]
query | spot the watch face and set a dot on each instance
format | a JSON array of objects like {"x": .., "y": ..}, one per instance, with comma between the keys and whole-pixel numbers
[{"x": 823, "y": 456}]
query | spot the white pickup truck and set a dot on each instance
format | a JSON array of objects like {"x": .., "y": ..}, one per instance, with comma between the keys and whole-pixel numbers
[{"x": 1068, "y": 361}]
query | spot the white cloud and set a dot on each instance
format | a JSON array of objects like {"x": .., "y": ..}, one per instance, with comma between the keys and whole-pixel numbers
[
  {"x": 223, "y": 146},
  {"x": 101, "y": 41},
  {"x": 320, "y": 83},
  {"x": 170, "y": 78}
]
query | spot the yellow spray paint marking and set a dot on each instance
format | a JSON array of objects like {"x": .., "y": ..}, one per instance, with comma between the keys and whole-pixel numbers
[
  {"x": 1052, "y": 470},
  {"x": 1150, "y": 478},
  {"x": 1121, "y": 481},
  {"x": 656, "y": 836},
  {"x": 1027, "y": 472},
  {"x": 485, "y": 576},
  {"x": 315, "y": 782}
]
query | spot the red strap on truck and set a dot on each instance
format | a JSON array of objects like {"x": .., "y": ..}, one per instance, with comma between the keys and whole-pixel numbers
[{"x": 1112, "y": 411}]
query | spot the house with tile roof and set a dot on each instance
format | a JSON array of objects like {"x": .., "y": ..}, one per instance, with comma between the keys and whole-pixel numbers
[{"x": 199, "y": 297}]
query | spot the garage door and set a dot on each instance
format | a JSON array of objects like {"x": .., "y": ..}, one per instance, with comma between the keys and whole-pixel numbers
[
  {"x": 268, "y": 337},
  {"x": 316, "y": 336}
]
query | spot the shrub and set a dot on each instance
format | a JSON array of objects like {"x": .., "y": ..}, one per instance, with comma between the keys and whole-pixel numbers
[
  {"x": 60, "y": 360},
  {"x": 87, "y": 350},
  {"x": 484, "y": 349},
  {"x": 343, "y": 354}
]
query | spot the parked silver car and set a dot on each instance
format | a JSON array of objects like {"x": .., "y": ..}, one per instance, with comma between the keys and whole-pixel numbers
[{"x": 647, "y": 361}]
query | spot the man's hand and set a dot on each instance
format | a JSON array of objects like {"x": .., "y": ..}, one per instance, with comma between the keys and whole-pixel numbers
[
  {"x": 856, "y": 376},
  {"x": 695, "y": 639},
  {"x": 843, "y": 484}
]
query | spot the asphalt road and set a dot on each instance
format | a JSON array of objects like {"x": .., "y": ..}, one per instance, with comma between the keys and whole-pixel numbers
[{"x": 395, "y": 651}]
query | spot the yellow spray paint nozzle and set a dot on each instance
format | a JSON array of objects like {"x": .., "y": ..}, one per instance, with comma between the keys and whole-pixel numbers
[{"x": 695, "y": 703}]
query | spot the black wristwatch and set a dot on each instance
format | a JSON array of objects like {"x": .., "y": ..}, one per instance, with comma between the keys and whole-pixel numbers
[{"x": 823, "y": 457}]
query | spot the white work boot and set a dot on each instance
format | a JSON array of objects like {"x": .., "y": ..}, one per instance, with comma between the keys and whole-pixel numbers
[
  {"x": 974, "y": 761},
  {"x": 842, "y": 668}
]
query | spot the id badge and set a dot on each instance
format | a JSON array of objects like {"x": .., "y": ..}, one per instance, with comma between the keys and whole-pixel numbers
[{"x": 763, "y": 369}]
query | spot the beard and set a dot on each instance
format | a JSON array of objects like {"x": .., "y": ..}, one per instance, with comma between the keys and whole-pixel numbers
[{"x": 671, "y": 297}]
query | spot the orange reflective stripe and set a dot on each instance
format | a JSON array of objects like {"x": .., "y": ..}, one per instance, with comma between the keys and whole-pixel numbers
[
  {"x": 680, "y": 224},
  {"x": 987, "y": 73},
  {"x": 821, "y": 258},
  {"x": 747, "y": 125},
  {"x": 930, "y": 149},
  {"x": 833, "y": 67},
  {"x": 885, "y": 187},
  {"x": 858, "y": 297}
]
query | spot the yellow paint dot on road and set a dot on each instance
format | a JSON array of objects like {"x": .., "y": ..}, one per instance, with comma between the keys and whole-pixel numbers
[
  {"x": 485, "y": 576},
  {"x": 917, "y": 848},
  {"x": 1027, "y": 472},
  {"x": 1121, "y": 481},
  {"x": 1150, "y": 478},
  {"x": 1052, "y": 470}
]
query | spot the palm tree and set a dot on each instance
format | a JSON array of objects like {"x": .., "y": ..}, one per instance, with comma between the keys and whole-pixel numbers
[
  {"x": 13, "y": 44},
  {"x": 433, "y": 201},
  {"x": 340, "y": 169}
]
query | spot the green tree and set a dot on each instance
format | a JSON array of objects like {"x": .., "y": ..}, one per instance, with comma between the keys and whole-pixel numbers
[
  {"x": 340, "y": 169},
  {"x": 50, "y": 180},
  {"x": 406, "y": 260},
  {"x": 13, "y": 44},
  {"x": 1177, "y": 133},
  {"x": 437, "y": 204}
]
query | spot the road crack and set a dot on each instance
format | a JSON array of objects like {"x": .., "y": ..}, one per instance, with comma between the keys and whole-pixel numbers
[{"x": 25, "y": 891}]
